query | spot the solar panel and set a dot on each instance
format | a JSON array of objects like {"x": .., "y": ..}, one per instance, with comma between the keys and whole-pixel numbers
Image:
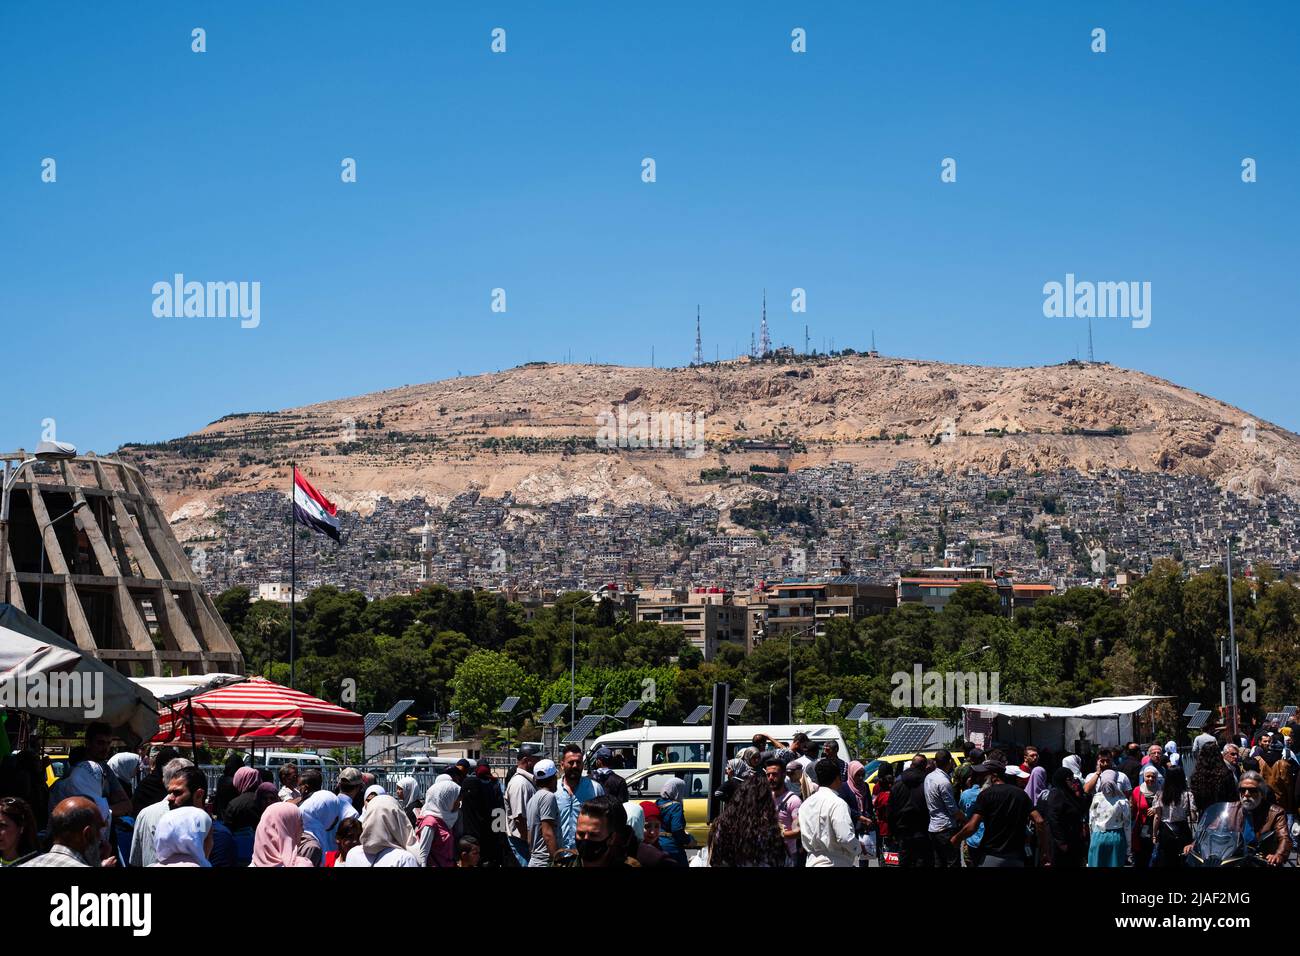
[
  {"x": 583, "y": 729},
  {"x": 908, "y": 735},
  {"x": 397, "y": 710},
  {"x": 508, "y": 705},
  {"x": 695, "y": 716},
  {"x": 737, "y": 706},
  {"x": 1198, "y": 719},
  {"x": 833, "y": 707},
  {"x": 1191, "y": 709},
  {"x": 628, "y": 709},
  {"x": 372, "y": 720},
  {"x": 584, "y": 704},
  {"x": 552, "y": 714},
  {"x": 1279, "y": 717},
  {"x": 858, "y": 712},
  {"x": 1289, "y": 711}
]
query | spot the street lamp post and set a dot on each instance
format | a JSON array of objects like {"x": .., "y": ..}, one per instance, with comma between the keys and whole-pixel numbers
[
  {"x": 789, "y": 665},
  {"x": 596, "y": 597},
  {"x": 45, "y": 451},
  {"x": 40, "y": 602}
]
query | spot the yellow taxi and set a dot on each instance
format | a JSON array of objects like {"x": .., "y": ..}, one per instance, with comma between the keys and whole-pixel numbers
[
  {"x": 898, "y": 763},
  {"x": 645, "y": 785}
]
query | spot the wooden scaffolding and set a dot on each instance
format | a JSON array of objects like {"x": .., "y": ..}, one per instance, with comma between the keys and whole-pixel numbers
[{"x": 91, "y": 552}]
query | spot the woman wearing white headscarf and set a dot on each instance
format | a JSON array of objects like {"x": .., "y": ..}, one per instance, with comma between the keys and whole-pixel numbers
[
  {"x": 1071, "y": 763},
  {"x": 184, "y": 837},
  {"x": 408, "y": 795},
  {"x": 385, "y": 833},
  {"x": 320, "y": 818},
  {"x": 1143, "y": 799},
  {"x": 1111, "y": 823},
  {"x": 372, "y": 791},
  {"x": 126, "y": 767},
  {"x": 434, "y": 842}
]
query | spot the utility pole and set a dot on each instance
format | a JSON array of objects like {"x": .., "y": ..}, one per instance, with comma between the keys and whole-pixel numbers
[{"x": 1232, "y": 646}]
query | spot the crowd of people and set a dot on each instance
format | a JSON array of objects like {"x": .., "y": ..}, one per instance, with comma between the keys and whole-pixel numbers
[
  {"x": 781, "y": 804},
  {"x": 1132, "y": 806}
]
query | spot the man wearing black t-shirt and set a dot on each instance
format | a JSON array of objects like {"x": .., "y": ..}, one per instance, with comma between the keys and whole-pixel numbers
[{"x": 1003, "y": 810}]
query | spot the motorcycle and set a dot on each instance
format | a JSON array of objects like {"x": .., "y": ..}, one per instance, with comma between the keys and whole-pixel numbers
[{"x": 1220, "y": 840}]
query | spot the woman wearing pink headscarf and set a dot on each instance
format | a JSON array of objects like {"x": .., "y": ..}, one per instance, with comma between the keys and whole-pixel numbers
[{"x": 278, "y": 835}]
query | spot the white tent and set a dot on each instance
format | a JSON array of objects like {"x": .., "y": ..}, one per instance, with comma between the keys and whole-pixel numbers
[
  {"x": 103, "y": 694},
  {"x": 23, "y": 656},
  {"x": 1107, "y": 721},
  {"x": 169, "y": 689}
]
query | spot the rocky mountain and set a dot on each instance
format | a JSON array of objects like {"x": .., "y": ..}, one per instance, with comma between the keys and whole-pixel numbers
[{"x": 546, "y": 432}]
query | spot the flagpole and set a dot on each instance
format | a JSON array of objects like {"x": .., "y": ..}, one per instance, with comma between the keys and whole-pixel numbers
[{"x": 293, "y": 564}]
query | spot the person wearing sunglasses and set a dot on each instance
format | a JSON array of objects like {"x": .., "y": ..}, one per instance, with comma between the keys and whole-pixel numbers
[{"x": 1263, "y": 820}]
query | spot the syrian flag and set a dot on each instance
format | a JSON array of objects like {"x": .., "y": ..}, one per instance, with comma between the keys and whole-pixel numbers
[{"x": 312, "y": 508}]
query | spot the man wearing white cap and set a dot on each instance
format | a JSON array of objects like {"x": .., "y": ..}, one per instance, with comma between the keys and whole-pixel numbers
[{"x": 543, "y": 815}]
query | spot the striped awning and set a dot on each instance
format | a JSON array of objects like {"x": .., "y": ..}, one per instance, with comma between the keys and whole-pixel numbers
[{"x": 259, "y": 712}]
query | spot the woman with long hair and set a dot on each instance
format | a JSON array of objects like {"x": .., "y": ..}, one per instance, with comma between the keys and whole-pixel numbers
[
  {"x": 1212, "y": 781},
  {"x": 748, "y": 833},
  {"x": 1173, "y": 816}
]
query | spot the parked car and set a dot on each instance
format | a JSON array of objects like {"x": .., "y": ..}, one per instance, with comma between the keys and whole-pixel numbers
[{"x": 646, "y": 784}]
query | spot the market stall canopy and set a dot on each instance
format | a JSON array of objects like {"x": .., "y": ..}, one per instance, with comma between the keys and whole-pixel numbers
[
  {"x": 21, "y": 656},
  {"x": 169, "y": 689},
  {"x": 1100, "y": 707},
  {"x": 258, "y": 713},
  {"x": 1107, "y": 722},
  {"x": 102, "y": 694}
]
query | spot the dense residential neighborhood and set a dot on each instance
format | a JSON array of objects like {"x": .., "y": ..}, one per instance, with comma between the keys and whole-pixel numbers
[{"x": 866, "y": 538}]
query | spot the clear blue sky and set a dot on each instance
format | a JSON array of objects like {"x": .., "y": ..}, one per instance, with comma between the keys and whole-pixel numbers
[{"x": 522, "y": 171}]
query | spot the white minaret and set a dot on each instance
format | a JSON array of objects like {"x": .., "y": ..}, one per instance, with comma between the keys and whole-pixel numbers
[{"x": 426, "y": 550}]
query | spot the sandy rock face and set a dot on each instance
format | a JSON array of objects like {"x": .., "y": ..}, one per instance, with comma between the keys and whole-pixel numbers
[{"x": 531, "y": 432}]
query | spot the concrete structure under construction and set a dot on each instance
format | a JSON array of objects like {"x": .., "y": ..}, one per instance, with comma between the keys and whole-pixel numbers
[{"x": 90, "y": 553}]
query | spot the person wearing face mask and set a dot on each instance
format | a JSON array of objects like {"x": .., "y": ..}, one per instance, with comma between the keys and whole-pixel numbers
[
  {"x": 74, "y": 829},
  {"x": 1261, "y": 818},
  {"x": 603, "y": 836}
]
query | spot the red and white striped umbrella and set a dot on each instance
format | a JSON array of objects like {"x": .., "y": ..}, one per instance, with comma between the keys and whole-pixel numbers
[{"x": 259, "y": 712}]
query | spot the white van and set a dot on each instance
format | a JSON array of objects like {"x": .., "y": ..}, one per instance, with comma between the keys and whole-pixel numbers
[
  {"x": 643, "y": 747},
  {"x": 306, "y": 761}
]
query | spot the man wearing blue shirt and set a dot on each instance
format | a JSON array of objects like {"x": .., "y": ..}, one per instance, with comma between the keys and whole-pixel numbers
[
  {"x": 971, "y": 851},
  {"x": 574, "y": 790}
]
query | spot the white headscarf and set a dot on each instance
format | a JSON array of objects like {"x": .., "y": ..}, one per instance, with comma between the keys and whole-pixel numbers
[
  {"x": 320, "y": 817},
  {"x": 1071, "y": 763},
  {"x": 1149, "y": 790},
  {"x": 441, "y": 800},
  {"x": 180, "y": 837},
  {"x": 374, "y": 789},
  {"x": 410, "y": 788},
  {"x": 125, "y": 766}
]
